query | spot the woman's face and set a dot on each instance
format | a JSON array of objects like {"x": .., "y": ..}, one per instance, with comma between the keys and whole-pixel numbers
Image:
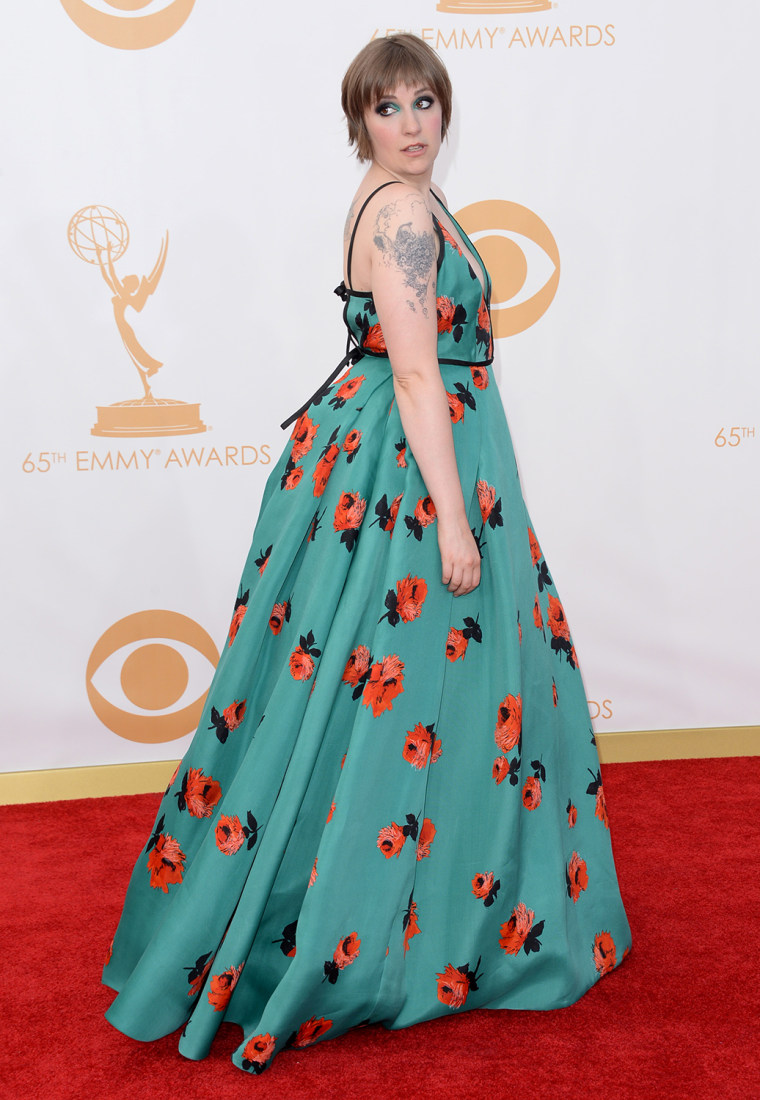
[{"x": 404, "y": 128}]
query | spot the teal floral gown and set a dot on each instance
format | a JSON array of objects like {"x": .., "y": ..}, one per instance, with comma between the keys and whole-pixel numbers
[{"x": 392, "y": 809}]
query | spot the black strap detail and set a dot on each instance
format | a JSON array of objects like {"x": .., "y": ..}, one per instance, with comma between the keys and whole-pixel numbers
[
  {"x": 356, "y": 223},
  {"x": 352, "y": 356}
]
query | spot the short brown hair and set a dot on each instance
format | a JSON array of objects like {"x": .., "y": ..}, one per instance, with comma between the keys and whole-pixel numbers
[{"x": 382, "y": 65}]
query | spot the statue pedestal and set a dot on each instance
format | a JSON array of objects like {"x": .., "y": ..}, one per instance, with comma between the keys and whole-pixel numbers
[{"x": 148, "y": 416}]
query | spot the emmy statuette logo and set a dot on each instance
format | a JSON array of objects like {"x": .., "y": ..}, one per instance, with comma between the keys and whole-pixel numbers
[
  {"x": 493, "y": 7},
  {"x": 497, "y": 227},
  {"x": 132, "y": 28},
  {"x": 100, "y": 236},
  {"x": 152, "y": 674}
]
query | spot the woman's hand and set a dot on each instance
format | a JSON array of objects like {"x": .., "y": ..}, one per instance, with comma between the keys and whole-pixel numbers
[{"x": 460, "y": 557}]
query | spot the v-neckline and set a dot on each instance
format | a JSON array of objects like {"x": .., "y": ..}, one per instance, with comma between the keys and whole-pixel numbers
[{"x": 468, "y": 250}]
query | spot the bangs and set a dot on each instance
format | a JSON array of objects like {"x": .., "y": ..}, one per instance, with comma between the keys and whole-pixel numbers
[{"x": 379, "y": 69}]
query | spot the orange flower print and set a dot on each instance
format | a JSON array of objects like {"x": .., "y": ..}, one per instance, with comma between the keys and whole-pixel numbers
[
  {"x": 199, "y": 793},
  {"x": 324, "y": 468},
  {"x": 221, "y": 987},
  {"x": 405, "y": 604},
  {"x": 166, "y": 863},
  {"x": 485, "y": 888},
  {"x": 374, "y": 340},
  {"x": 301, "y": 660},
  {"x": 331, "y": 812},
  {"x": 257, "y": 1052},
  {"x": 410, "y": 923},
  {"x": 531, "y": 793},
  {"x": 385, "y": 682},
  {"x": 292, "y": 475},
  {"x": 445, "y": 310},
  {"x": 456, "y": 645},
  {"x": 427, "y": 836},
  {"x": 229, "y": 834},
  {"x": 234, "y": 714},
  {"x": 410, "y": 596},
  {"x": 450, "y": 317},
  {"x": 456, "y": 408},
  {"x": 241, "y": 606},
  {"x": 520, "y": 932},
  {"x": 401, "y": 456},
  {"x": 357, "y": 666},
  {"x": 345, "y": 953},
  {"x": 309, "y": 1031},
  {"x": 555, "y": 697},
  {"x": 349, "y": 513},
  {"x": 262, "y": 561},
  {"x": 280, "y": 615},
  {"x": 109, "y": 954},
  {"x": 479, "y": 374},
  {"x": 600, "y": 810},
  {"x": 458, "y": 401},
  {"x": 457, "y": 640},
  {"x": 572, "y": 814},
  {"x": 537, "y": 616},
  {"x": 424, "y": 514},
  {"x": 483, "y": 327},
  {"x": 424, "y": 511},
  {"x": 596, "y": 789},
  {"x": 456, "y": 983},
  {"x": 557, "y": 621},
  {"x": 451, "y": 240},
  {"x": 421, "y": 746},
  {"x": 229, "y": 720},
  {"x": 386, "y": 516},
  {"x": 313, "y": 875},
  {"x": 500, "y": 769},
  {"x": 605, "y": 955},
  {"x": 352, "y": 443},
  {"x": 197, "y": 974},
  {"x": 535, "y": 549},
  {"x": 391, "y": 839},
  {"x": 303, "y": 434},
  {"x": 486, "y": 498},
  {"x": 519, "y": 629},
  {"x": 577, "y": 876},
  {"x": 509, "y": 723},
  {"x": 351, "y": 386}
]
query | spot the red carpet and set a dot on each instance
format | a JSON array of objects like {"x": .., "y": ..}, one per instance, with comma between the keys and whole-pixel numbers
[{"x": 681, "y": 1019}]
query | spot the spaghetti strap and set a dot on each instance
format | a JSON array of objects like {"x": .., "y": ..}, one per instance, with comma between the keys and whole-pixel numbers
[{"x": 353, "y": 231}]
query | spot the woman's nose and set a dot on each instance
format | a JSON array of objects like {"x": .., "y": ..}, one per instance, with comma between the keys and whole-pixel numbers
[{"x": 411, "y": 122}]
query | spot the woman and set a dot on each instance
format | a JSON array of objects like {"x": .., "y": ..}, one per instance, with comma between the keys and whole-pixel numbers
[{"x": 392, "y": 809}]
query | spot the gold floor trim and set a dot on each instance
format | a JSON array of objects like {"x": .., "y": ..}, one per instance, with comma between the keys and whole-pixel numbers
[{"x": 614, "y": 748}]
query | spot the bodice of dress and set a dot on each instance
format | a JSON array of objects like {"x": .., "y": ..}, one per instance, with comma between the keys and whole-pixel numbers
[{"x": 464, "y": 322}]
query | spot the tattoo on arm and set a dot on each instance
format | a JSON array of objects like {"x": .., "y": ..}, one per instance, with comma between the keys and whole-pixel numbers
[
  {"x": 412, "y": 253},
  {"x": 349, "y": 220}
]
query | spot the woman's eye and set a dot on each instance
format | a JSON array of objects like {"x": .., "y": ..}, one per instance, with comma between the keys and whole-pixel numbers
[
  {"x": 385, "y": 109},
  {"x": 424, "y": 102}
]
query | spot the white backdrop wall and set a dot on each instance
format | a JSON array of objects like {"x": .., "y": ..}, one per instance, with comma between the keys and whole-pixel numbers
[{"x": 628, "y": 134}]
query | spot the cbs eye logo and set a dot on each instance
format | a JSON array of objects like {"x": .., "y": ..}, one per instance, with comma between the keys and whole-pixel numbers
[
  {"x": 128, "y": 31},
  {"x": 146, "y": 663},
  {"x": 522, "y": 258}
]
